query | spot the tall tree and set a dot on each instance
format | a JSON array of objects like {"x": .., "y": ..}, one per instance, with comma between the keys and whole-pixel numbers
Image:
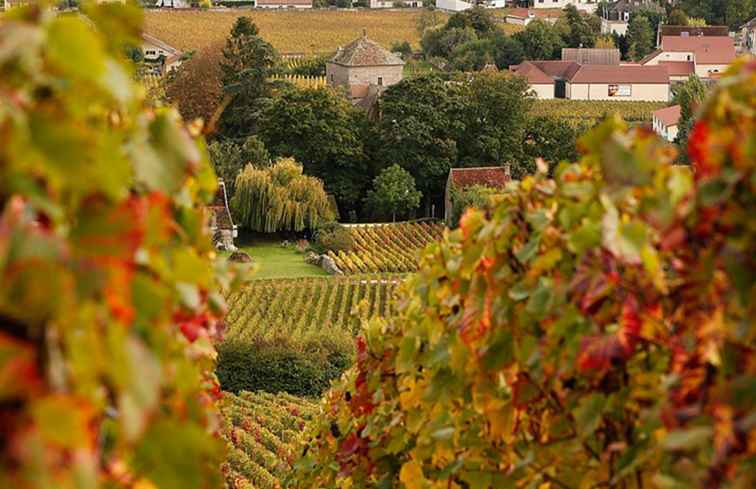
[
  {"x": 496, "y": 107},
  {"x": 280, "y": 198},
  {"x": 393, "y": 193},
  {"x": 579, "y": 33},
  {"x": 248, "y": 61},
  {"x": 540, "y": 40},
  {"x": 689, "y": 95},
  {"x": 323, "y": 131},
  {"x": 419, "y": 129},
  {"x": 640, "y": 37}
]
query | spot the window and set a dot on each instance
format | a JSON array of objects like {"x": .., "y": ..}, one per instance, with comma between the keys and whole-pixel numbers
[
  {"x": 620, "y": 90},
  {"x": 380, "y": 81}
]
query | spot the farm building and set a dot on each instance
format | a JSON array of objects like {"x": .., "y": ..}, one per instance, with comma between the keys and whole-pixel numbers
[
  {"x": 577, "y": 81},
  {"x": 173, "y": 3},
  {"x": 615, "y": 16},
  {"x": 160, "y": 54},
  {"x": 364, "y": 68},
  {"x": 705, "y": 56},
  {"x": 294, "y": 4},
  {"x": 222, "y": 227},
  {"x": 462, "y": 178},
  {"x": 665, "y": 122}
]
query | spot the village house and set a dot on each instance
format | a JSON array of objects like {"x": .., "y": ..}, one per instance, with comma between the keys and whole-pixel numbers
[
  {"x": 748, "y": 33},
  {"x": 459, "y": 5},
  {"x": 276, "y": 4},
  {"x": 173, "y": 3},
  {"x": 705, "y": 56},
  {"x": 461, "y": 178},
  {"x": 575, "y": 81},
  {"x": 364, "y": 68},
  {"x": 665, "y": 122},
  {"x": 524, "y": 16},
  {"x": 161, "y": 55},
  {"x": 588, "y": 6},
  {"x": 666, "y": 30},
  {"x": 615, "y": 16},
  {"x": 390, "y": 3}
]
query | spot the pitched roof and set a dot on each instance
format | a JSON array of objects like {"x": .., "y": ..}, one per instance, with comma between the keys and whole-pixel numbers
[
  {"x": 694, "y": 31},
  {"x": 160, "y": 44},
  {"x": 679, "y": 68},
  {"x": 708, "y": 50},
  {"x": 620, "y": 74},
  {"x": 669, "y": 116},
  {"x": 557, "y": 68},
  {"x": 524, "y": 13},
  {"x": 592, "y": 56},
  {"x": 490, "y": 176},
  {"x": 653, "y": 54},
  {"x": 364, "y": 52},
  {"x": 532, "y": 73}
]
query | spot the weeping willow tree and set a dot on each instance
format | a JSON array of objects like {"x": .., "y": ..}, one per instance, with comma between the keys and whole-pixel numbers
[{"x": 280, "y": 198}]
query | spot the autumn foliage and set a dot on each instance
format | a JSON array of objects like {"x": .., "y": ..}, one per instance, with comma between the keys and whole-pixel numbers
[
  {"x": 593, "y": 330},
  {"x": 107, "y": 302}
]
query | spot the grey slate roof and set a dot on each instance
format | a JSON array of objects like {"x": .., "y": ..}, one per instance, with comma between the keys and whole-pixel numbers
[{"x": 364, "y": 52}]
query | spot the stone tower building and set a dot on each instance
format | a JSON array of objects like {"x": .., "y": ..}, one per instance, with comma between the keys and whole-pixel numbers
[{"x": 364, "y": 68}]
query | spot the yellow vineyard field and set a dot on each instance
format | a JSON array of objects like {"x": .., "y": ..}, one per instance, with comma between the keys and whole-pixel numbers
[{"x": 309, "y": 32}]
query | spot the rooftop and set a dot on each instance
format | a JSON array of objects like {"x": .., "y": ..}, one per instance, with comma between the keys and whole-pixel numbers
[
  {"x": 708, "y": 50},
  {"x": 679, "y": 68},
  {"x": 538, "y": 71},
  {"x": 669, "y": 116},
  {"x": 490, "y": 176},
  {"x": 365, "y": 52},
  {"x": 592, "y": 56},
  {"x": 694, "y": 31}
]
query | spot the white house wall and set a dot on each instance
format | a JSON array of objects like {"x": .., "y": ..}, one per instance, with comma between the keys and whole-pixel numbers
[
  {"x": 600, "y": 91},
  {"x": 705, "y": 71},
  {"x": 613, "y": 26},
  {"x": 589, "y": 6},
  {"x": 453, "y": 5},
  {"x": 543, "y": 91}
]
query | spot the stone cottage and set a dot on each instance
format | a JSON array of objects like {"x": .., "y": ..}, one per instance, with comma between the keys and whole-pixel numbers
[
  {"x": 364, "y": 68},
  {"x": 222, "y": 227}
]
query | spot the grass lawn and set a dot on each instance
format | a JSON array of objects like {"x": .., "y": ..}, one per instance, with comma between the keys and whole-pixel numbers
[{"x": 275, "y": 261}]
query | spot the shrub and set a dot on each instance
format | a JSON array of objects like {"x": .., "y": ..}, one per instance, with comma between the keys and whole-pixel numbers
[
  {"x": 302, "y": 368},
  {"x": 334, "y": 237}
]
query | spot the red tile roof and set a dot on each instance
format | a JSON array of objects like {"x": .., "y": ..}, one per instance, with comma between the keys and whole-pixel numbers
[
  {"x": 557, "y": 68},
  {"x": 708, "y": 50},
  {"x": 620, "y": 74},
  {"x": 539, "y": 13},
  {"x": 669, "y": 116},
  {"x": 490, "y": 176},
  {"x": 532, "y": 73},
  {"x": 679, "y": 68}
]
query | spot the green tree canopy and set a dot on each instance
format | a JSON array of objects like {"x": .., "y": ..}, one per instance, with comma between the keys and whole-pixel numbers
[
  {"x": 689, "y": 95},
  {"x": 640, "y": 36},
  {"x": 248, "y": 61},
  {"x": 229, "y": 158},
  {"x": 540, "y": 40},
  {"x": 323, "y": 131},
  {"x": 280, "y": 198},
  {"x": 580, "y": 32},
  {"x": 393, "y": 193}
]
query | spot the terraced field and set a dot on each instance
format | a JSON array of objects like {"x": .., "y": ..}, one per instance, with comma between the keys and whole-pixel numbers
[
  {"x": 263, "y": 434},
  {"x": 293, "y": 308},
  {"x": 384, "y": 248}
]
